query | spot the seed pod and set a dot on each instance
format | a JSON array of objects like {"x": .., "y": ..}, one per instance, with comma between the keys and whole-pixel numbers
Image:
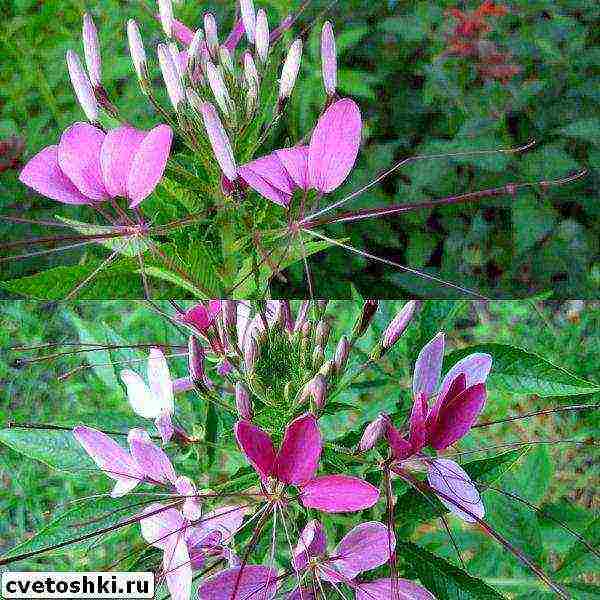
[
  {"x": 341, "y": 355},
  {"x": 373, "y": 433},
  {"x": 82, "y": 87},
  {"x": 242, "y": 401}
]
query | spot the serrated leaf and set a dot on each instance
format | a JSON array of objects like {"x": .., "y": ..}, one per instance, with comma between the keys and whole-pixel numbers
[{"x": 518, "y": 371}]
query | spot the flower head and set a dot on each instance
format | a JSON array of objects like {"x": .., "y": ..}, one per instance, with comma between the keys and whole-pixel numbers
[{"x": 89, "y": 165}]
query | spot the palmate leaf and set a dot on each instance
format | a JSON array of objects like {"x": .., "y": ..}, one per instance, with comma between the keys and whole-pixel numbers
[
  {"x": 518, "y": 371},
  {"x": 87, "y": 516},
  {"x": 443, "y": 579}
]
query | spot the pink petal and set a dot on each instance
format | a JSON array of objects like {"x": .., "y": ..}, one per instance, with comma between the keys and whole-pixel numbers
[
  {"x": 182, "y": 32},
  {"x": 428, "y": 367},
  {"x": 476, "y": 367},
  {"x": 295, "y": 162},
  {"x": 400, "y": 447},
  {"x": 177, "y": 567},
  {"x": 223, "y": 521},
  {"x": 114, "y": 460},
  {"x": 191, "y": 506},
  {"x": 457, "y": 416},
  {"x": 149, "y": 164},
  {"x": 312, "y": 542},
  {"x": 418, "y": 433},
  {"x": 233, "y": 39},
  {"x": 334, "y": 145},
  {"x": 300, "y": 451},
  {"x": 117, "y": 153},
  {"x": 161, "y": 525},
  {"x": 252, "y": 582},
  {"x": 257, "y": 446},
  {"x": 301, "y": 593},
  {"x": 383, "y": 589},
  {"x": 151, "y": 460},
  {"x": 338, "y": 493},
  {"x": 164, "y": 426},
  {"x": 445, "y": 476},
  {"x": 269, "y": 178},
  {"x": 43, "y": 174},
  {"x": 79, "y": 159},
  {"x": 363, "y": 548}
]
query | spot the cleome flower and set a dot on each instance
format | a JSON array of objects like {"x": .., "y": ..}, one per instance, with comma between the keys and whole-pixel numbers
[{"x": 89, "y": 166}]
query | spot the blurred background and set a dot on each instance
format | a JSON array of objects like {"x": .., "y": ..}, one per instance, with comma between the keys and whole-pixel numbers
[
  {"x": 560, "y": 471},
  {"x": 431, "y": 77}
]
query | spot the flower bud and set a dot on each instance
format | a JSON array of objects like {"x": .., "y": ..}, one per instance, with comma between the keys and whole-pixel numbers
[
  {"x": 328, "y": 59},
  {"x": 219, "y": 140},
  {"x": 289, "y": 72},
  {"x": 286, "y": 313},
  {"x": 176, "y": 59},
  {"x": 322, "y": 333},
  {"x": 211, "y": 34},
  {"x": 317, "y": 357},
  {"x": 327, "y": 369},
  {"x": 136, "y": 49},
  {"x": 242, "y": 401},
  {"x": 165, "y": 13},
  {"x": 261, "y": 40},
  {"x": 373, "y": 433},
  {"x": 226, "y": 60},
  {"x": 364, "y": 320},
  {"x": 82, "y": 87},
  {"x": 195, "y": 45},
  {"x": 398, "y": 325},
  {"x": 229, "y": 314},
  {"x": 91, "y": 49},
  {"x": 248, "y": 18},
  {"x": 318, "y": 390},
  {"x": 217, "y": 86},
  {"x": 193, "y": 99},
  {"x": 196, "y": 360},
  {"x": 302, "y": 315},
  {"x": 250, "y": 73},
  {"x": 251, "y": 352},
  {"x": 341, "y": 354},
  {"x": 170, "y": 73}
]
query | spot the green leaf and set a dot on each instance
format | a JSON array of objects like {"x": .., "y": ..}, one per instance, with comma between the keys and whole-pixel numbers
[
  {"x": 86, "y": 517},
  {"x": 578, "y": 551},
  {"x": 518, "y": 371},
  {"x": 587, "y": 129},
  {"x": 443, "y": 579},
  {"x": 56, "y": 448}
]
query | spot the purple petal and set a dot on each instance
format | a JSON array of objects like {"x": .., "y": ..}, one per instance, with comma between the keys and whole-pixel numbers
[
  {"x": 149, "y": 164},
  {"x": 300, "y": 451},
  {"x": 428, "y": 367},
  {"x": 191, "y": 506},
  {"x": 257, "y": 446},
  {"x": 182, "y": 384},
  {"x": 114, "y": 460},
  {"x": 301, "y": 593},
  {"x": 418, "y": 433},
  {"x": 151, "y": 460},
  {"x": 338, "y": 493},
  {"x": 400, "y": 447},
  {"x": 181, "y": 32},
  {"x": 160, "y": 525},
  {"x": 295, "y": 162},
  {"x": 164, "y": 426},
  {"x": 445, "y": 476},
  {"x": 220, "y": 525},
  {"x": 476, "y": 368},
  {"x": 312, "y": 542},
  {"x": 252, "y": 582},
  {"x": 457, "y": 387},
  {"x": 79, "y": 159},
  {"x": 334, "y": 146},
  {"x": 177, "y": 567},
  {"x": 233, "y": 39},
  {"x": 117, "y": 153},
  {"x": 383, "y": 589},
  {"x": 457, "y": 416},
  {"x": 269, "y": 178},
  {"x": 363, "y": 548},
  {"x": 43, "y": 174}
]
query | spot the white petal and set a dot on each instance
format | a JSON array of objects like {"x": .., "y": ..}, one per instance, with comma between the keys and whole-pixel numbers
[
  {"x": 141, "y": 399},
  {"x": 160, "y": 380}
]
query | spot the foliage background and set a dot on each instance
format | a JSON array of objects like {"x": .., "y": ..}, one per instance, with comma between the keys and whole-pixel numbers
[
  {"x": 412, "y": 101},
  {"x": 560, "y": 477}
]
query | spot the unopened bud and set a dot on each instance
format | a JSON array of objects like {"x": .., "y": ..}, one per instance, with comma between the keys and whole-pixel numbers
[
  {"x": 176, "y": 59},
  {"x": 364, "y": 320},
  {"x": 226, "y": 60},
  {"x": 242, "y": 401},
  {"x": 341, "y": 354},
  {"x": 193, "y": 99},
  {"x": 136, "y": 49},
  {"x": 286, "y": 314},
  {"x": 262, "y": 36},
  {"x": 398, "y": 325},
  {"x": 373, "y": 433},
  {"x": 229, "y": 313},
  {"x": 171, "y": 77},
  {"x": 318, "y": 390},
  {"x": 328, "y": 59},
  {"x": 82, "y": 87},
  {"x": 327, "y": 369},
  {"x": 250, "y": 73},
  {"x": 248, "y": 18},
  {"x": 91, "y": 48},
  {"x": 195, "y": 45},
  {"x": 251, "y": 352},
  {"x": 302, "y": 315},
  {"x": 219, "y": 140},
  {"x": 322, "y": 334},
  {"x": 317, "y": 357},
  {"x": 211, "y": 34},
  {"x": 289, "y": 72},
  {"x": 217, "y": 86},
  {"x": 165, "y": 13},
  {"x": 196, "y": 360}
]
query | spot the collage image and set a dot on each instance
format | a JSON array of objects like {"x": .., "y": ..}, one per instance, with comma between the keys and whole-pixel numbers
[{"x": 299, "y": 299}]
